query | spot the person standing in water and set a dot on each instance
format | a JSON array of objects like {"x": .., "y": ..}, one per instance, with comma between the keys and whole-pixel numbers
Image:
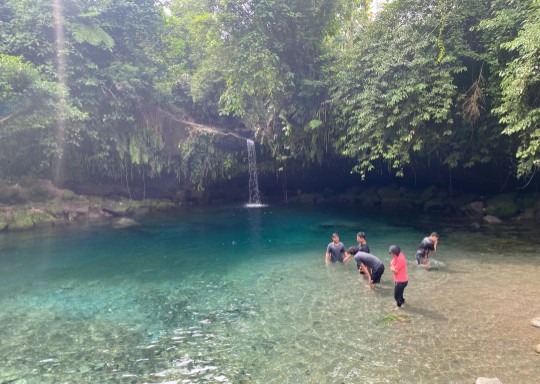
[
  {"x": 362, "y": 243},
  {"x": 362, "y": 247},
  {"x": 335, "y": 250},
  {"x": 427, "y": 245},
  {"x": 398, "y": 266},
  {"x": 371, "y": 265}
]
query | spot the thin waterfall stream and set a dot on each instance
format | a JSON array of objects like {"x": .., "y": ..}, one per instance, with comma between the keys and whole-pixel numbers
[{"x": 254, "y": 196}]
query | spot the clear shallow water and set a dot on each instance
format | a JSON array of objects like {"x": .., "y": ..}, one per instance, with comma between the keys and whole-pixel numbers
[{"x": 236, "y": 295}]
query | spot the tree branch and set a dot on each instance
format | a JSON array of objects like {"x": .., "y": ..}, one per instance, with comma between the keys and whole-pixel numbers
[{"x": 13, "y": 115}]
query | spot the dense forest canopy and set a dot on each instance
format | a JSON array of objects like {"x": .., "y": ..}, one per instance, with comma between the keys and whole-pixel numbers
[{"x": 135, "y": 89}]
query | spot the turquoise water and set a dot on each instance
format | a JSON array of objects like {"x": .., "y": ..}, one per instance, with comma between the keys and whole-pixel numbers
[{"x": 236, "y": 295}]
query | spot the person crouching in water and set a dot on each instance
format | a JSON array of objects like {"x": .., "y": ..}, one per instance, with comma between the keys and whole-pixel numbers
[
  {"x": 371, "y": 265},
  {"x": 398, "y": 266},
  {"x": 428, "y": 244}
]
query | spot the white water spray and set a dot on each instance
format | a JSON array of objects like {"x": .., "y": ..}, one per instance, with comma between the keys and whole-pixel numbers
[{"x": 254, "y": 197}]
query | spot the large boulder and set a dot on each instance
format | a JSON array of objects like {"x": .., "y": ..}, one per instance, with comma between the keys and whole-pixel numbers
[
  {"x": 526, "y": 201},
  {"x": 503, "y": 206},
  {"x": 428, "y": 194},
  {"x": 439, "y": 203},
  {"x": 390, "y": 197},
  {"x": 370, "y": 197},
  {"x": 409, "y": 198},
  {"x": 39, "y": 190},
  {"x": 25, "y": 218},
  {"x": 474, "y": 208}
]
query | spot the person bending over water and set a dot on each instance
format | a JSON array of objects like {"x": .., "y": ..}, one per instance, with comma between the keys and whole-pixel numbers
[
  {"x": 335, "y": 250},
  {"x": 398, "y": 266},
  {"x": 427, "y": 245},
  {"x": 371, "y": 265}
]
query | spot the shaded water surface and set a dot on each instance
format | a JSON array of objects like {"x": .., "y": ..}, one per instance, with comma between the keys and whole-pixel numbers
[{"x": 235, "y": 295}]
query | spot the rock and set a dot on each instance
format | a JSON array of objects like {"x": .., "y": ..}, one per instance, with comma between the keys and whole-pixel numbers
[
  {"x": 475, "y": 226},
  {"x": 462, "y": 200},
  {"x": 485, "y": 380},
  {"x": 409, "y": 198},
  {"x": 125, "y": 222},
  {"x": 526, "y": 201},
  {"x": 537, "y": 348},
  {"x": 9, "y": 377},
  {"x": 528, "y": 214},
  {"x": 438, "y": 204},
  {"x": 536, "y": 322},
  {"x": 490, "y": 219},
  {"x": 428, "y": 194},
  {"x": 503, "y": 206},
  {"x": 475, "y": 208},
  {"x": 370, "y": 198},
  {"x": 390, "y": 197}
]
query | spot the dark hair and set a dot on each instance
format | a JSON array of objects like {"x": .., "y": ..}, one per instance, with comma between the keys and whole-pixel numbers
[
  {"x": 335, "y": 234},
  {"x": 352, "y": 250},
  {"x": 361, "y": 234},
  {"x": 434, "y": 234},
  {"x": 394, "y": 250}
]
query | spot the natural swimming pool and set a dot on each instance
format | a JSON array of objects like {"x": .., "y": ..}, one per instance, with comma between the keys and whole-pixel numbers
[{"x": 238, "y": 295}]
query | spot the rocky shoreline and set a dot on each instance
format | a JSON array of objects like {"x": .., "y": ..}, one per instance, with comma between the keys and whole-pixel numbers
[
  {"x": 38, "y": 203},
  {"x": 492, "y": 209},
  {"x": 25, "y": 206}
]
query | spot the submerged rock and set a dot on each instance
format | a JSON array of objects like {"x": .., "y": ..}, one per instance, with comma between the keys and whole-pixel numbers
[
  {"x": 490, "y": 219},
  {"x": 485, "y": 380},
  {"x": 536, "y": 322},
  {"x": 125, "y": 222},
  {"x": 8, "y": 377}
]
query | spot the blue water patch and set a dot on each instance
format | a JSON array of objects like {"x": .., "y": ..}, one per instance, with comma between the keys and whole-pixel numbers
[{"x": 225, "y": 294}]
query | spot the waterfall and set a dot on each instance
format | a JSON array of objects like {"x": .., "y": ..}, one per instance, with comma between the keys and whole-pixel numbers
[{"x": 254, "y": 198}]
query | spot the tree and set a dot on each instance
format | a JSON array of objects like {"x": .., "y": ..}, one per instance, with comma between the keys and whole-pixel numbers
[
  {"x": 514, "y": 29},
  {"x": 397, "y": 90}
]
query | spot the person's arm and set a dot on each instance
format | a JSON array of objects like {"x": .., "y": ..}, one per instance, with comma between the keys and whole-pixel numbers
[
  {"x": 399, "y": 264},
  {"x": 327, "y": 257},
  {"x": 366, "y": 271},
  {"x": 347, "y": 257},
  {"x": 393, "y": 267}
]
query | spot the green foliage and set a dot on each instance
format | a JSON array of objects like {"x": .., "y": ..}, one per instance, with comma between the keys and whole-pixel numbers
[
  {"x": 202, "y": 161},
  {"x": 395, "y": 91},
  {"x": 520, "y": 104},
  {"x": 111, "y": 70},
  {"x": 421, "y": 81},
  {"x": 29, "y": 115}
]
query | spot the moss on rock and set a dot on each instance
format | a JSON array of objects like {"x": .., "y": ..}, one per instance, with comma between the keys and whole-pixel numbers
[{"x": 503, "y": 206}]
